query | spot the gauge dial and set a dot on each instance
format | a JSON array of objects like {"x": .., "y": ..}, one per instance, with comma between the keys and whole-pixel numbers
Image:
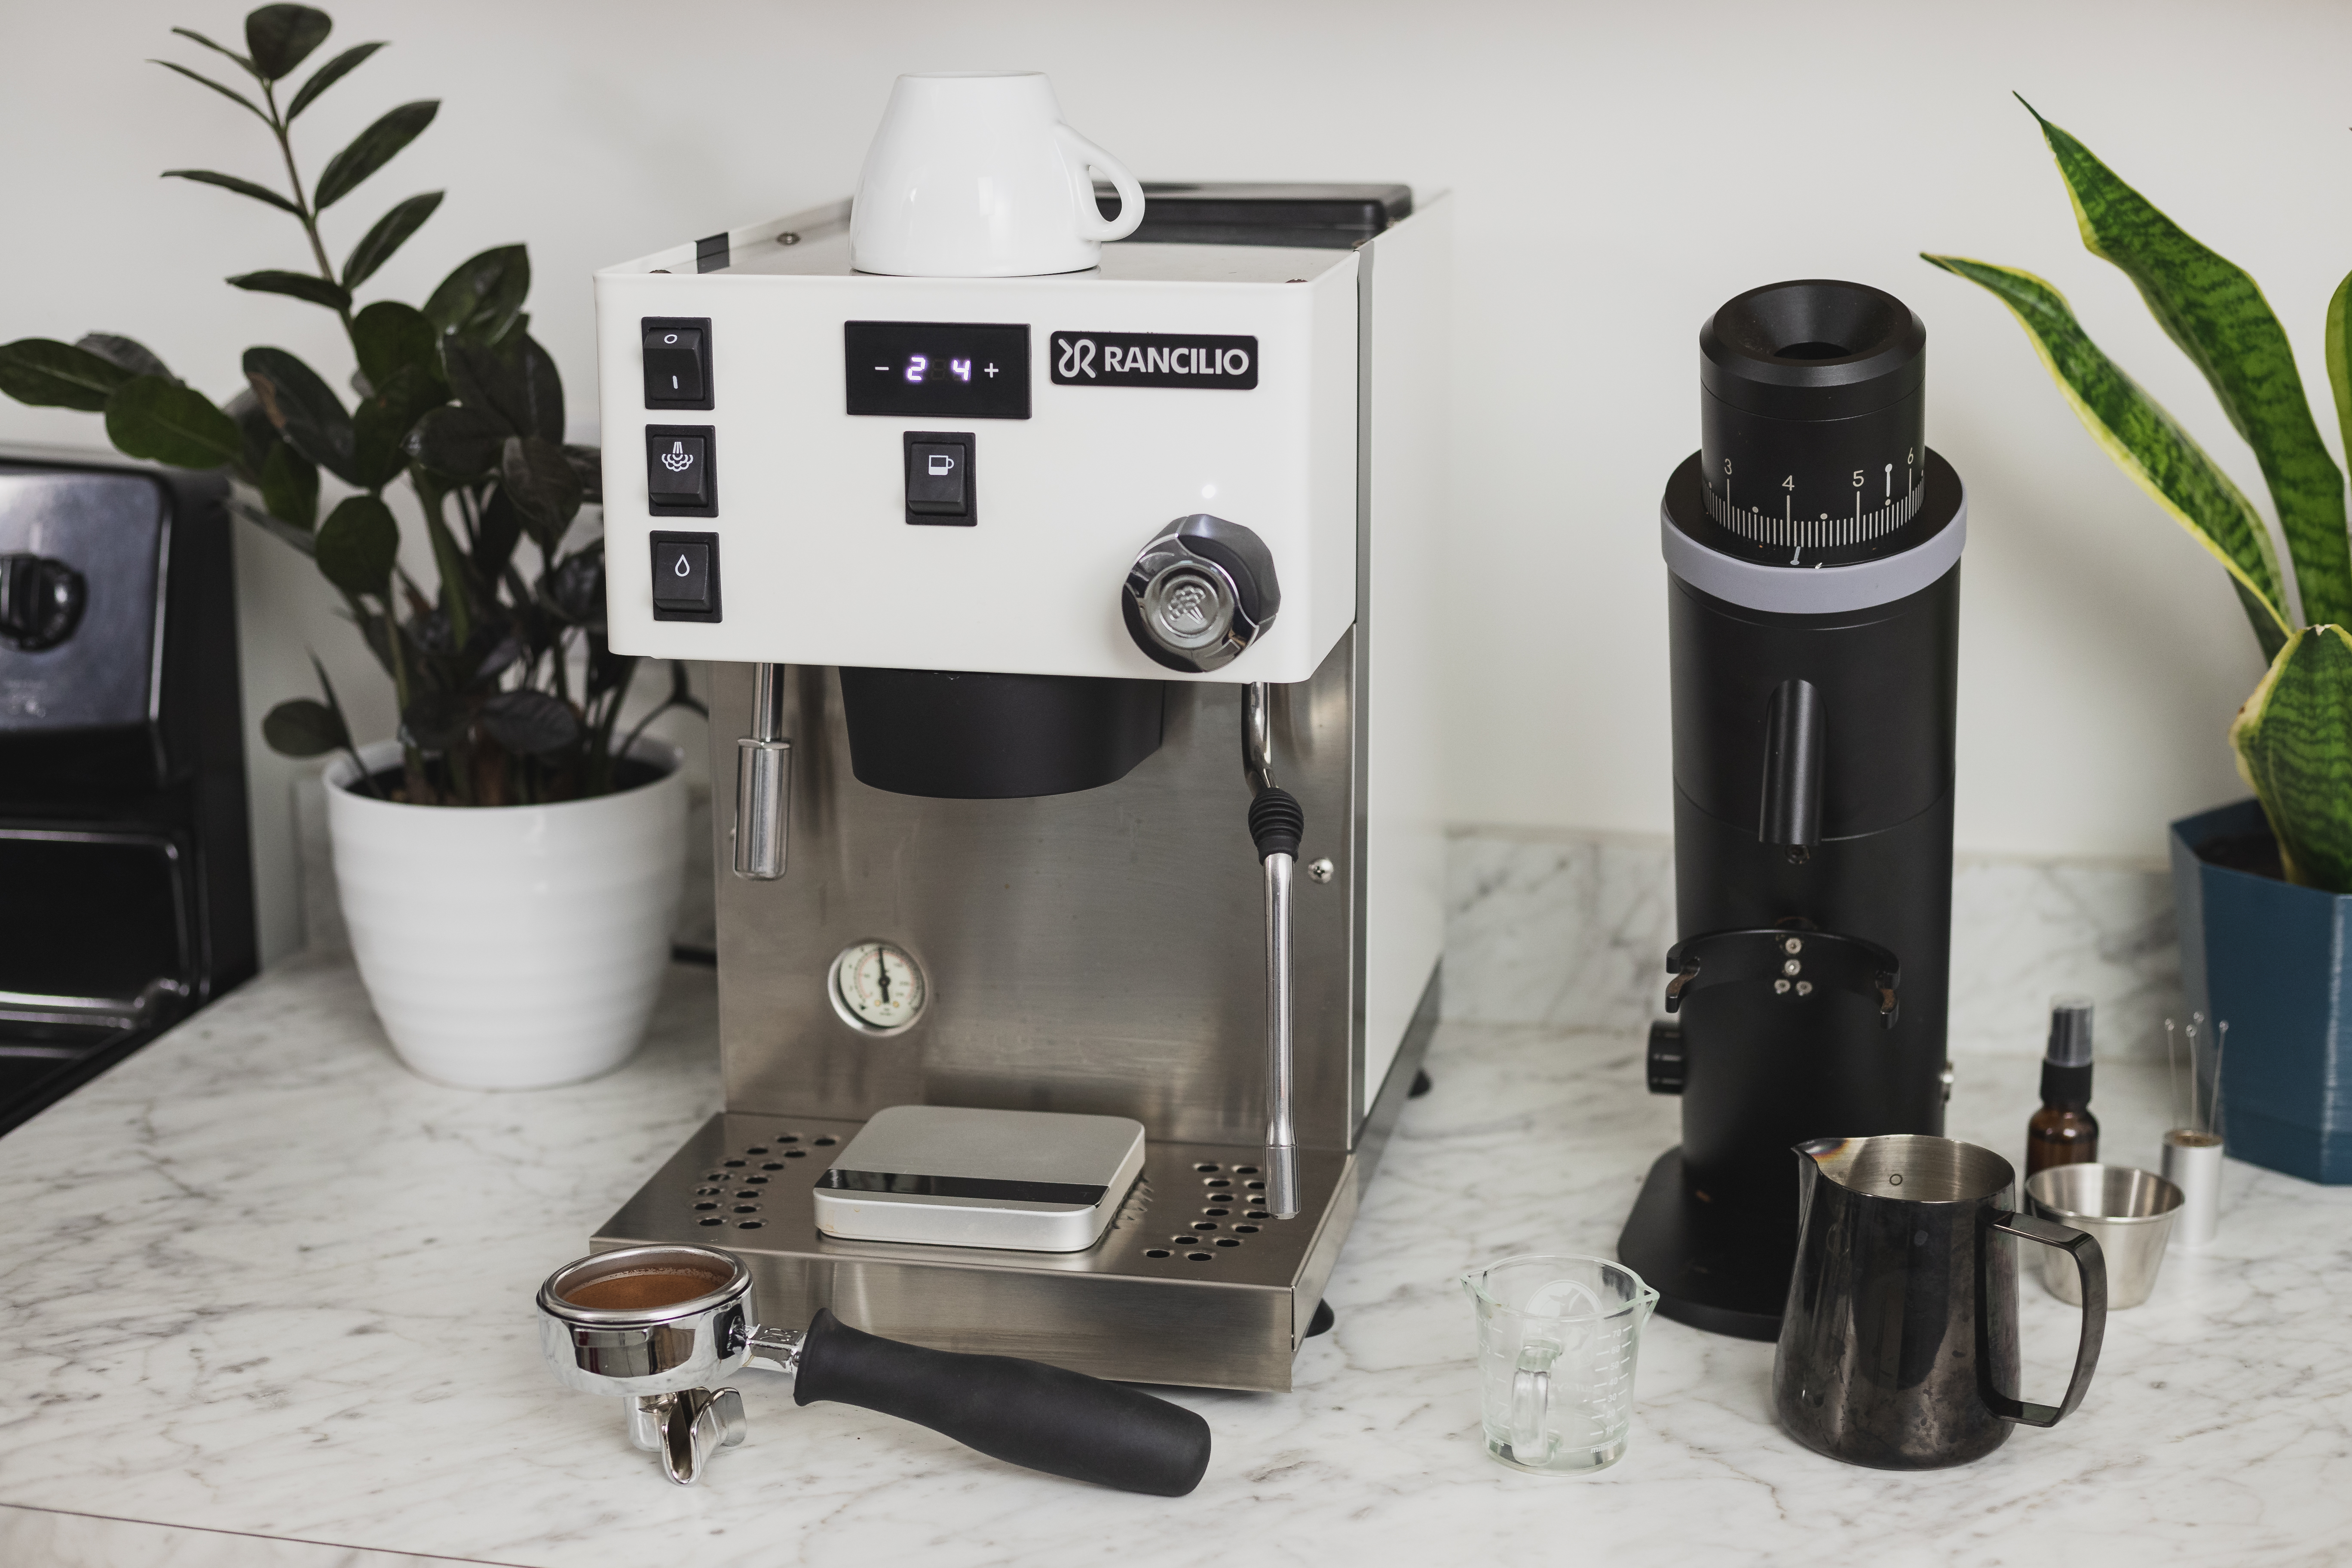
[{"x": 877, "y": 986}]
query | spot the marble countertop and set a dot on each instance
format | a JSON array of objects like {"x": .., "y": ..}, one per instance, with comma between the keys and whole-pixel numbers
[{"x": 267, "y": 1300}]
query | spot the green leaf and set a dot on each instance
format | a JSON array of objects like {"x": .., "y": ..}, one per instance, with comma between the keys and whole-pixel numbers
[
  {"x": 300, "y": 285},
  {"x": 300, "y": 538},
  {"x": 481, "y": 298},
  {"x": 357, "y": 546},
  {"x": 530, "y": 722},
  {"x": 289, "y": 487},
  {"x": 456, "y": 579},
  {"x": 231, "y": 183},
  {"x": 228, "y": 92},
  {"x": 232, "y": 54},
  {"x": 380, "y": 424},
  {"x": 390, "y": 233},
  {"x": 538, "y": 480},
  {"x": 304, "y": 727},
  {"x": 388, "y": 335},
  {"x": 2145, "y": 441},
  {"x": 516, "y": 380},
  {"x": 282, "y": 36},
  {"x": 327, "y": 75},
  {"x": 459, "y": 444},
  {"x": 2294, "y": 738},
  {"x": 370, "y": 149},
  {"x": 2340, "y": 355},
  {"x": 125, "y": 353},
  {"x": 495, "y": 540},
  {"x": 304, "y": 409},
  {"x": 155, "y": 417},
  {"x": 50, "y": 374},
  {"x": 2216, "y": 314}
]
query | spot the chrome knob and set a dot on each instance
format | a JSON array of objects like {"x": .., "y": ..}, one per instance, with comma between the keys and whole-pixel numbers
[{"x": 1200, "y": 593}]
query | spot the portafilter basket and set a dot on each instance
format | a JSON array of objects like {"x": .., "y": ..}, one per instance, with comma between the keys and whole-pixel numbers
[{"x": 660, "y": 1325}]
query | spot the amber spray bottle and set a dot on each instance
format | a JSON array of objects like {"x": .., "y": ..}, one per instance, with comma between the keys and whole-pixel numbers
[{"x": 2064, "y": 1131}]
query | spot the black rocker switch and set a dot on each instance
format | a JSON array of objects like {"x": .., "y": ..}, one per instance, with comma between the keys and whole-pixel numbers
[
  {"x": 686, "y": 576},
  {"x": 680, "y": 481},
  {"x": 939, "y": 479},
  {"x": 678, "y": 362}
]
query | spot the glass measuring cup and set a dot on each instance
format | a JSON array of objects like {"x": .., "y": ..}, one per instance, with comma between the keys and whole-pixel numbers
[{"x": 1557, "y": 1340}]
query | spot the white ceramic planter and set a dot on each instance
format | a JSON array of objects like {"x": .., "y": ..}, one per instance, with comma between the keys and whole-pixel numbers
[{"x": 511, "y": 947}]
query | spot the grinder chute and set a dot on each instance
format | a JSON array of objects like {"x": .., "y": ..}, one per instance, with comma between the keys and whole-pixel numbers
[{"x": 1812, "y": 546}]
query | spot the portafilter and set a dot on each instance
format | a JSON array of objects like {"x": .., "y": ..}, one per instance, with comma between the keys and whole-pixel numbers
[{"x": 661, "y": 1326}]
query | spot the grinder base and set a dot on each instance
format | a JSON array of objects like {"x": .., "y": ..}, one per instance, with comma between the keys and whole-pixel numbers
[{"x": 1726, "y": 1272}]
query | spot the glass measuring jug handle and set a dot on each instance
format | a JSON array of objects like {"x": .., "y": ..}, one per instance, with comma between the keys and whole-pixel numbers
[
  {"x": 1531, "y": 1405},
  {"x": 2091, "y": 1267}
]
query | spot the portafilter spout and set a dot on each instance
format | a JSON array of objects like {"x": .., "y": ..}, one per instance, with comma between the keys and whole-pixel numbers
[
  {"x": 1277, "y": 824},
  {"x": 660, "y": 1325}
]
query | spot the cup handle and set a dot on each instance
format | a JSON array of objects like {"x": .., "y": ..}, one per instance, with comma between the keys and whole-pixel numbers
[
  {"x": 2091, "y": 1266},
  {"x": 1084, "y": 154},
  {"x": 1530, "y": 1414}
]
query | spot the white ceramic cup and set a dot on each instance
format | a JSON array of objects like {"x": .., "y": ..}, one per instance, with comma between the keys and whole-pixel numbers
[{"x": 975, "y": 175}]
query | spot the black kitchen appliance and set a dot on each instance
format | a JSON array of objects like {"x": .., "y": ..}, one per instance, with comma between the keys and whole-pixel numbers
[
  {"x": 126, "y": 888},
  {"x": 1813, "y": 547}
]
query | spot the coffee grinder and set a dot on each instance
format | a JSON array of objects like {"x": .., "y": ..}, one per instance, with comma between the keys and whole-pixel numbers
[
  {"x": 1812, "y": 549},
  {"x": 1056, "y": 621}
]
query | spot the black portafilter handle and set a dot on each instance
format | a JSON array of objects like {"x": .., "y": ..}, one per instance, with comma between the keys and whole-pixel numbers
[
  {"x": 1023, "y": 1412},
  {"x": 1276, "y": 823}
]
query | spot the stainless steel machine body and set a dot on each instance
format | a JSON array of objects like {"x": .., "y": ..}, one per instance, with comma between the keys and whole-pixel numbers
[{"x": 1104, "y": 950}]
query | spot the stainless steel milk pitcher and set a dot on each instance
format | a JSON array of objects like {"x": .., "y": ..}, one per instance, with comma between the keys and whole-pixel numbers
[{"x": 1898, "y": 1348}]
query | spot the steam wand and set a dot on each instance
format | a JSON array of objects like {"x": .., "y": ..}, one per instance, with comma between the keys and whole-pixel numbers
[{"x": 1275, "y": 824}]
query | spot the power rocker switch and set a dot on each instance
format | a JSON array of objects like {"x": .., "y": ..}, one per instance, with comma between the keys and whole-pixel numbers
[
  {"x": 686, "y": 577},
  {"x": 939, "y": 477},
  {"x": 678, "y": 362},
  {"x": 681, "y": 479}
]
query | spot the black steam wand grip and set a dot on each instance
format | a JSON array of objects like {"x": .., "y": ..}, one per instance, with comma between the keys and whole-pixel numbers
[{"x": 1023, "y": 1412}]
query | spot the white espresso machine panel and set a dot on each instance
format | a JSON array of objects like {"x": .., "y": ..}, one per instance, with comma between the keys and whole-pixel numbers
[{"x": 833, "y": 468}]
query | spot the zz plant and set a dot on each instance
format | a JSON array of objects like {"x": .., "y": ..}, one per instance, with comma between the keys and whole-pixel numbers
[
  {"x": 454, "y": 397},
  {"x": 2294, "y": 735}
]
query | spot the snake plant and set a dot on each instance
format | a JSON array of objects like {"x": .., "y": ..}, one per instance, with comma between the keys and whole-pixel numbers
[{"x": 2294, "y": 735}]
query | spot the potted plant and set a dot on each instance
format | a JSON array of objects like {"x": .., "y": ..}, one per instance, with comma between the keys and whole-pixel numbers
[
  {"x": 2263, "y": 887},
  {"x": 510, "y": 862}
]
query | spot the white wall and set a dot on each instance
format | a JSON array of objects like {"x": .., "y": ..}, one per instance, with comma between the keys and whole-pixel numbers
[{"x": 1622, "y": 170}]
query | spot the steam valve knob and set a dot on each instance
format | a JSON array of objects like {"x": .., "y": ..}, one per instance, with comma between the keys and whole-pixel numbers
[
  {"x": 1200, "y": 593},
  {"x": 40, "y": 601}
]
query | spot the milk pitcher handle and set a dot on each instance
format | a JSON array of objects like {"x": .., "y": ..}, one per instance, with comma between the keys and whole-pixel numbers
[{"x": 2091, "y": 1264}]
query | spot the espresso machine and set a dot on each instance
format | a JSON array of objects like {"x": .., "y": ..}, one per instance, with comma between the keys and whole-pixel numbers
[
  {"x": 1812, "y": 549},
  {"x": 1079, "y": 885}
]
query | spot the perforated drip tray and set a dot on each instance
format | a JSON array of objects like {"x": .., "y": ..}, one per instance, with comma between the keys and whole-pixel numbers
[{"x": 1194, "y": 1283}]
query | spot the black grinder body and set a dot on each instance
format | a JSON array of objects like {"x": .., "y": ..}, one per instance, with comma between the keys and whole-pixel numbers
[{"x": 1815, "y": 661}]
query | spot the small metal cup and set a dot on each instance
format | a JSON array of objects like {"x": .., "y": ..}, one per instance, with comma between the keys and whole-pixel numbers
[{"x": 2129, "y": 1211}]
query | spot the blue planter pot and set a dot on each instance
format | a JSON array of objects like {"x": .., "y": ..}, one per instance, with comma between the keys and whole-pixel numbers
[{"x": 2276, "y": 961}]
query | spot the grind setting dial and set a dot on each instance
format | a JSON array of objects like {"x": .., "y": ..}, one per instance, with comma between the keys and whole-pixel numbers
[{"x": 876, "y": 987}]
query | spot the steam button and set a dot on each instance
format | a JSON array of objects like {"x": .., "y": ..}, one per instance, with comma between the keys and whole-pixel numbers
[{"x": 677, "y": 470}]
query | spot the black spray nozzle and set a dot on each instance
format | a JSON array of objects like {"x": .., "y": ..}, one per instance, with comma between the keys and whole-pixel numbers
[
  {"x": 1276, "y": 823},
  {"x": 2070, "y": 1032}
]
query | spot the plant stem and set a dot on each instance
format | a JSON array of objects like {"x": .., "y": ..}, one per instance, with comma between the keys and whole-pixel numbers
[{"x": 310, "y": 220}]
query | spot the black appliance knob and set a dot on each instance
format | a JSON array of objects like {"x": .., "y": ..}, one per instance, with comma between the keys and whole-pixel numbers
[
  {"x": 40, "y": 601},
  {"x": 1666, "y": 1056},
  {"x": 1200, "y": 593}
]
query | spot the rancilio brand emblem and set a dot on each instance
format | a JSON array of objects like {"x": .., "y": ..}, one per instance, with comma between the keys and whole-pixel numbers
[{"x": 1153, "y": 359}]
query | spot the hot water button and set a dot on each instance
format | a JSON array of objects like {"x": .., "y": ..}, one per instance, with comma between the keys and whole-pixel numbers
[{"x": 686, "y": 576}]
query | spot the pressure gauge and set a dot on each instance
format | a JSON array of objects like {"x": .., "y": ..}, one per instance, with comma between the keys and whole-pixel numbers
[{"x": 876, "y": 988}]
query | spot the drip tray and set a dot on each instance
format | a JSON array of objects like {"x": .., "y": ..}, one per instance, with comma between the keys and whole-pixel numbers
[{"x": 1193, "y": 1284}]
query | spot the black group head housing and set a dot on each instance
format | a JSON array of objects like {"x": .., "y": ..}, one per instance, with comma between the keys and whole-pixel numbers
[{"x": 1812, "y": 422}]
